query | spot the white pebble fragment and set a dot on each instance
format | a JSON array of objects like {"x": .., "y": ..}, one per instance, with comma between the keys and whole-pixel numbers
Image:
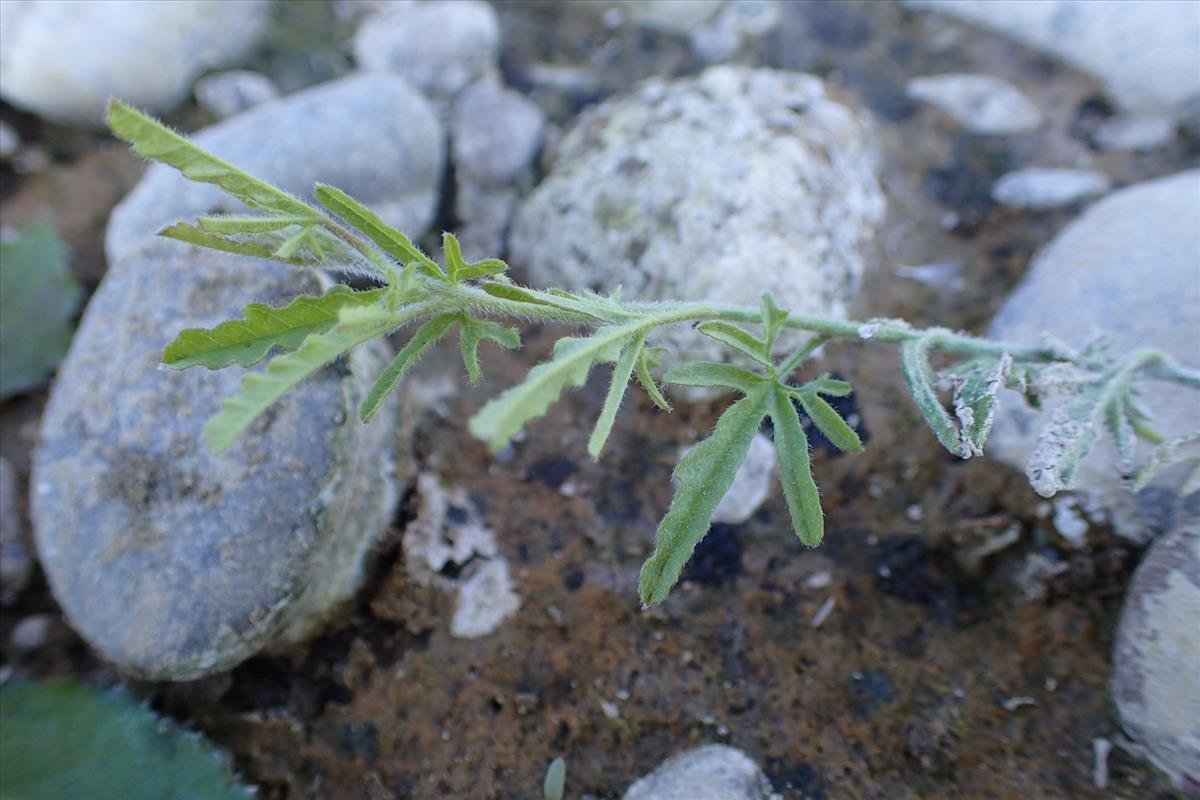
[
  {"x": 1139, "y": 132},
  {"x": 485, "y": 599},
  {"x": 1038, "y": 189},
  {"x": 711, "y": 772},
  {"x": 981, "y": 103},
  {"x": 824, "y": 611}
]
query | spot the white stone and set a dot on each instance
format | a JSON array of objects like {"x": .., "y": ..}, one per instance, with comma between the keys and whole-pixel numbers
[
  {"x": 1147, "y": 52},
  {"x": 710, "y": 772},
  {"x": 1042, "y": 189},
  {"x": 495, "y": 132},
  {"x": 227, "y": 93},
  {"x": 440, "y": 46},
  {"x": 63, "y": 60},
  {"x": 1156, "y": 657},
  {"x": 1141, "y": 132},
  {"x": 10, "y": 142},
  {"x": 981, "y": 103},
  {"x": 1127, "y": 267},
  {"x": 31, "y": 632},
  {"x": 485, "y": 599},
  {"x": 718, "y": 187}
]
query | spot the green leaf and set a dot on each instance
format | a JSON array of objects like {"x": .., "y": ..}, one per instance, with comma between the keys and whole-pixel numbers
[
  {"x": 1120, "y": 427},
  {"x": 773, "y": 318},
  {"x": 228, "y": 223},
  {"x": 486, "y": 268},
  {"x": 472, "y": 331},
  {"x": 155, "y": 141},
  {"x": 246, "y": 341},
  {"x": 709, "y": 373},
  {"x": 390, "y": 240},
  {"x": 261, "y": 389},
  {"x": 622, "y": 371},
  {"x": 791, "y": 362},
  {"x": 795, "y": 468},
  {"x": 976, "y": 394},
  {"x": 737, "y": 338},
  {"x": 39, "y": 296},
  {"x": 63, "y": 740},
  {"x": 914, "y": 365},
  {"x": 425, "y": 337},
  {"x": 644, "y": 363},
  {"x": 516, "y": 294},
  {"x": 452, "y": 255},
  {"x": 183, "y": 232},
  {"x": 556, "y": 780},
  {"x": 1179, "y": 450},
  {"x": 1065, "y": 440},
  {"x": 704, "y": 476},
  {"x": 831, "y": 387},
  {"x": 501, "y": 419},
  {"x": 829, "y": 422}
]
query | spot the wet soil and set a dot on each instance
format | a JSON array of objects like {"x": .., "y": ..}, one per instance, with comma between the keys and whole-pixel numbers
[{"x": 939, "y": 672}]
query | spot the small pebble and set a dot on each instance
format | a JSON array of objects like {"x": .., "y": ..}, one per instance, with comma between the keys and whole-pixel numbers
[
  {"x": 227, "y": 93},
  {"x": 982, "y": 103},
  {"x": 1038, "y": 189},
  {"x": 31, "y": 632}
]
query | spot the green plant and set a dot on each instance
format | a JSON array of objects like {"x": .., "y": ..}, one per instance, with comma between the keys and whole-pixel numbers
[
  {"x": 62, "y": 740},
  {"x": 556, "y": 780},
  {"x": 477, "y": 298}
]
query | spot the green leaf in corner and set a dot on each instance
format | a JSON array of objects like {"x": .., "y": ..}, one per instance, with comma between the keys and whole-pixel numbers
[
  {"x": 66, "y": 740},
  {"x": 39, "y": 296},
  {"x": 914, "y": 365},
  {"x": 473, "y": 331},
  {"x": 155, "y": 141},
  {"x": 704, "y": 476},
  {"x": 738, "y": 338},
  {"x": 622, "y": 372},
  {"x": 261, "y": 389},
  {"x": 248, "y": 340},
  {"x": 795, "y": 468},
  {"x": 425, "y": 337},
  {"x": 501, "y": 419}
]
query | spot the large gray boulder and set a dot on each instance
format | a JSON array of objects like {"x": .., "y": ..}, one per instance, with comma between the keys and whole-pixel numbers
[
  {"x": 718, "y": 187},
  {"x": 64, "y": 60},
  {"x": 1128, "y": 267},
  {"x": 173, "y": 562},
  {"x": 373, "y": 136},
  {"x": 1146, "y": 52}
]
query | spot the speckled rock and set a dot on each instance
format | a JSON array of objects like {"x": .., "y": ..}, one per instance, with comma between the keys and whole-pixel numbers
[
  {"x": 64, "y": 60},
  {"x": 711, "y": 772},
  {"x": 173, "y": 562},
  {"x": 1156, "y": 658},
  {"x": 1127, "y": 267},
  {"x": 373, "y": 136},
  {"x": 227, "y": 93},
  {"x": 773, "y": 188},
  {"x": 1041, "y": 189},
  {"x": 1146, "y": 52},
  {"x": 981, "y": 103},
  {"x": 440, "y": 45}
]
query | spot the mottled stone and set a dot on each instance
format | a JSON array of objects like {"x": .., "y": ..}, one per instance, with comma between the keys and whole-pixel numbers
[
  {"x": 718, "y": 187},
  {"x": 1156, "y": 657},
  {"x": 373, "y": 136},
  {"x": 174, "y": 562},
  {"x": 711, "y": 772},
  {"x": 64, "y": 60}
]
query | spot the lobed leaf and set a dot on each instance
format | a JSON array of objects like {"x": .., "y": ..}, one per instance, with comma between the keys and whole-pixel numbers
[
  {"x": 795, "y": 467},
  {"x": 1118, "y": 423},
  {"x": 827, "y": 385},
  {"x": 425, "y": 337},
  {"x": 246, "y": 341},
  {"x": 829, "y": 422},
  {"x": 1179, "y": 450},
  {"x": 914, "y": 365},
  {"x": 975, "y": 396},
  {"x": 773, "y": 318},
  {"x": 390, "y": 240},
  {"x": 229, "y": 223},
  {"x": 644, "y": 377},
  {"x": 1064, "y": 441},
  {"x": 709, "y": 373},
  {"x": 473, "y": 331},
  {"x": 261, "y": 389},
  {"x": 155, "y": 141},
  {"x": 738, "y": 338},
  {"x": 622, "y": 371},
  {"x": 704, "y": 476},
  {"x": 501, "y": 419}
]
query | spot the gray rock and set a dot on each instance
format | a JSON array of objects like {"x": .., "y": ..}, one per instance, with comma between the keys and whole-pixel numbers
[
  {"x": 10, "y": 142},
  {"x": 1147, "y": 52},
  {"x": 485, "y": 216},
  {"x": 496, "y": 134},
  {"x": 64, "y": 60},
  {"x": 1126, "y": 267},
  {"x": 981, "y": 103},
  {"x": 738, "y": 23},
  {"x": 718, "y": 187},
  {"x": 1141, "y": 132},
  {"x": 227, "y": 93},
  {"x": 171, "y": 561},
  {"x": 16, "y": 562},
  {"x": 374, "y": 137},
  {"x": 711, "y": 772},
  {"x": 440, "y": 45},
  {"x": 1156, "y": 657},
  {"x": 1041, "y": 189}
]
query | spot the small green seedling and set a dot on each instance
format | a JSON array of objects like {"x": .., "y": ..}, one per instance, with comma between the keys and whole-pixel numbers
[
  {"x": 556, "y": 780},
  {"x": 478, "y": 300}
]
